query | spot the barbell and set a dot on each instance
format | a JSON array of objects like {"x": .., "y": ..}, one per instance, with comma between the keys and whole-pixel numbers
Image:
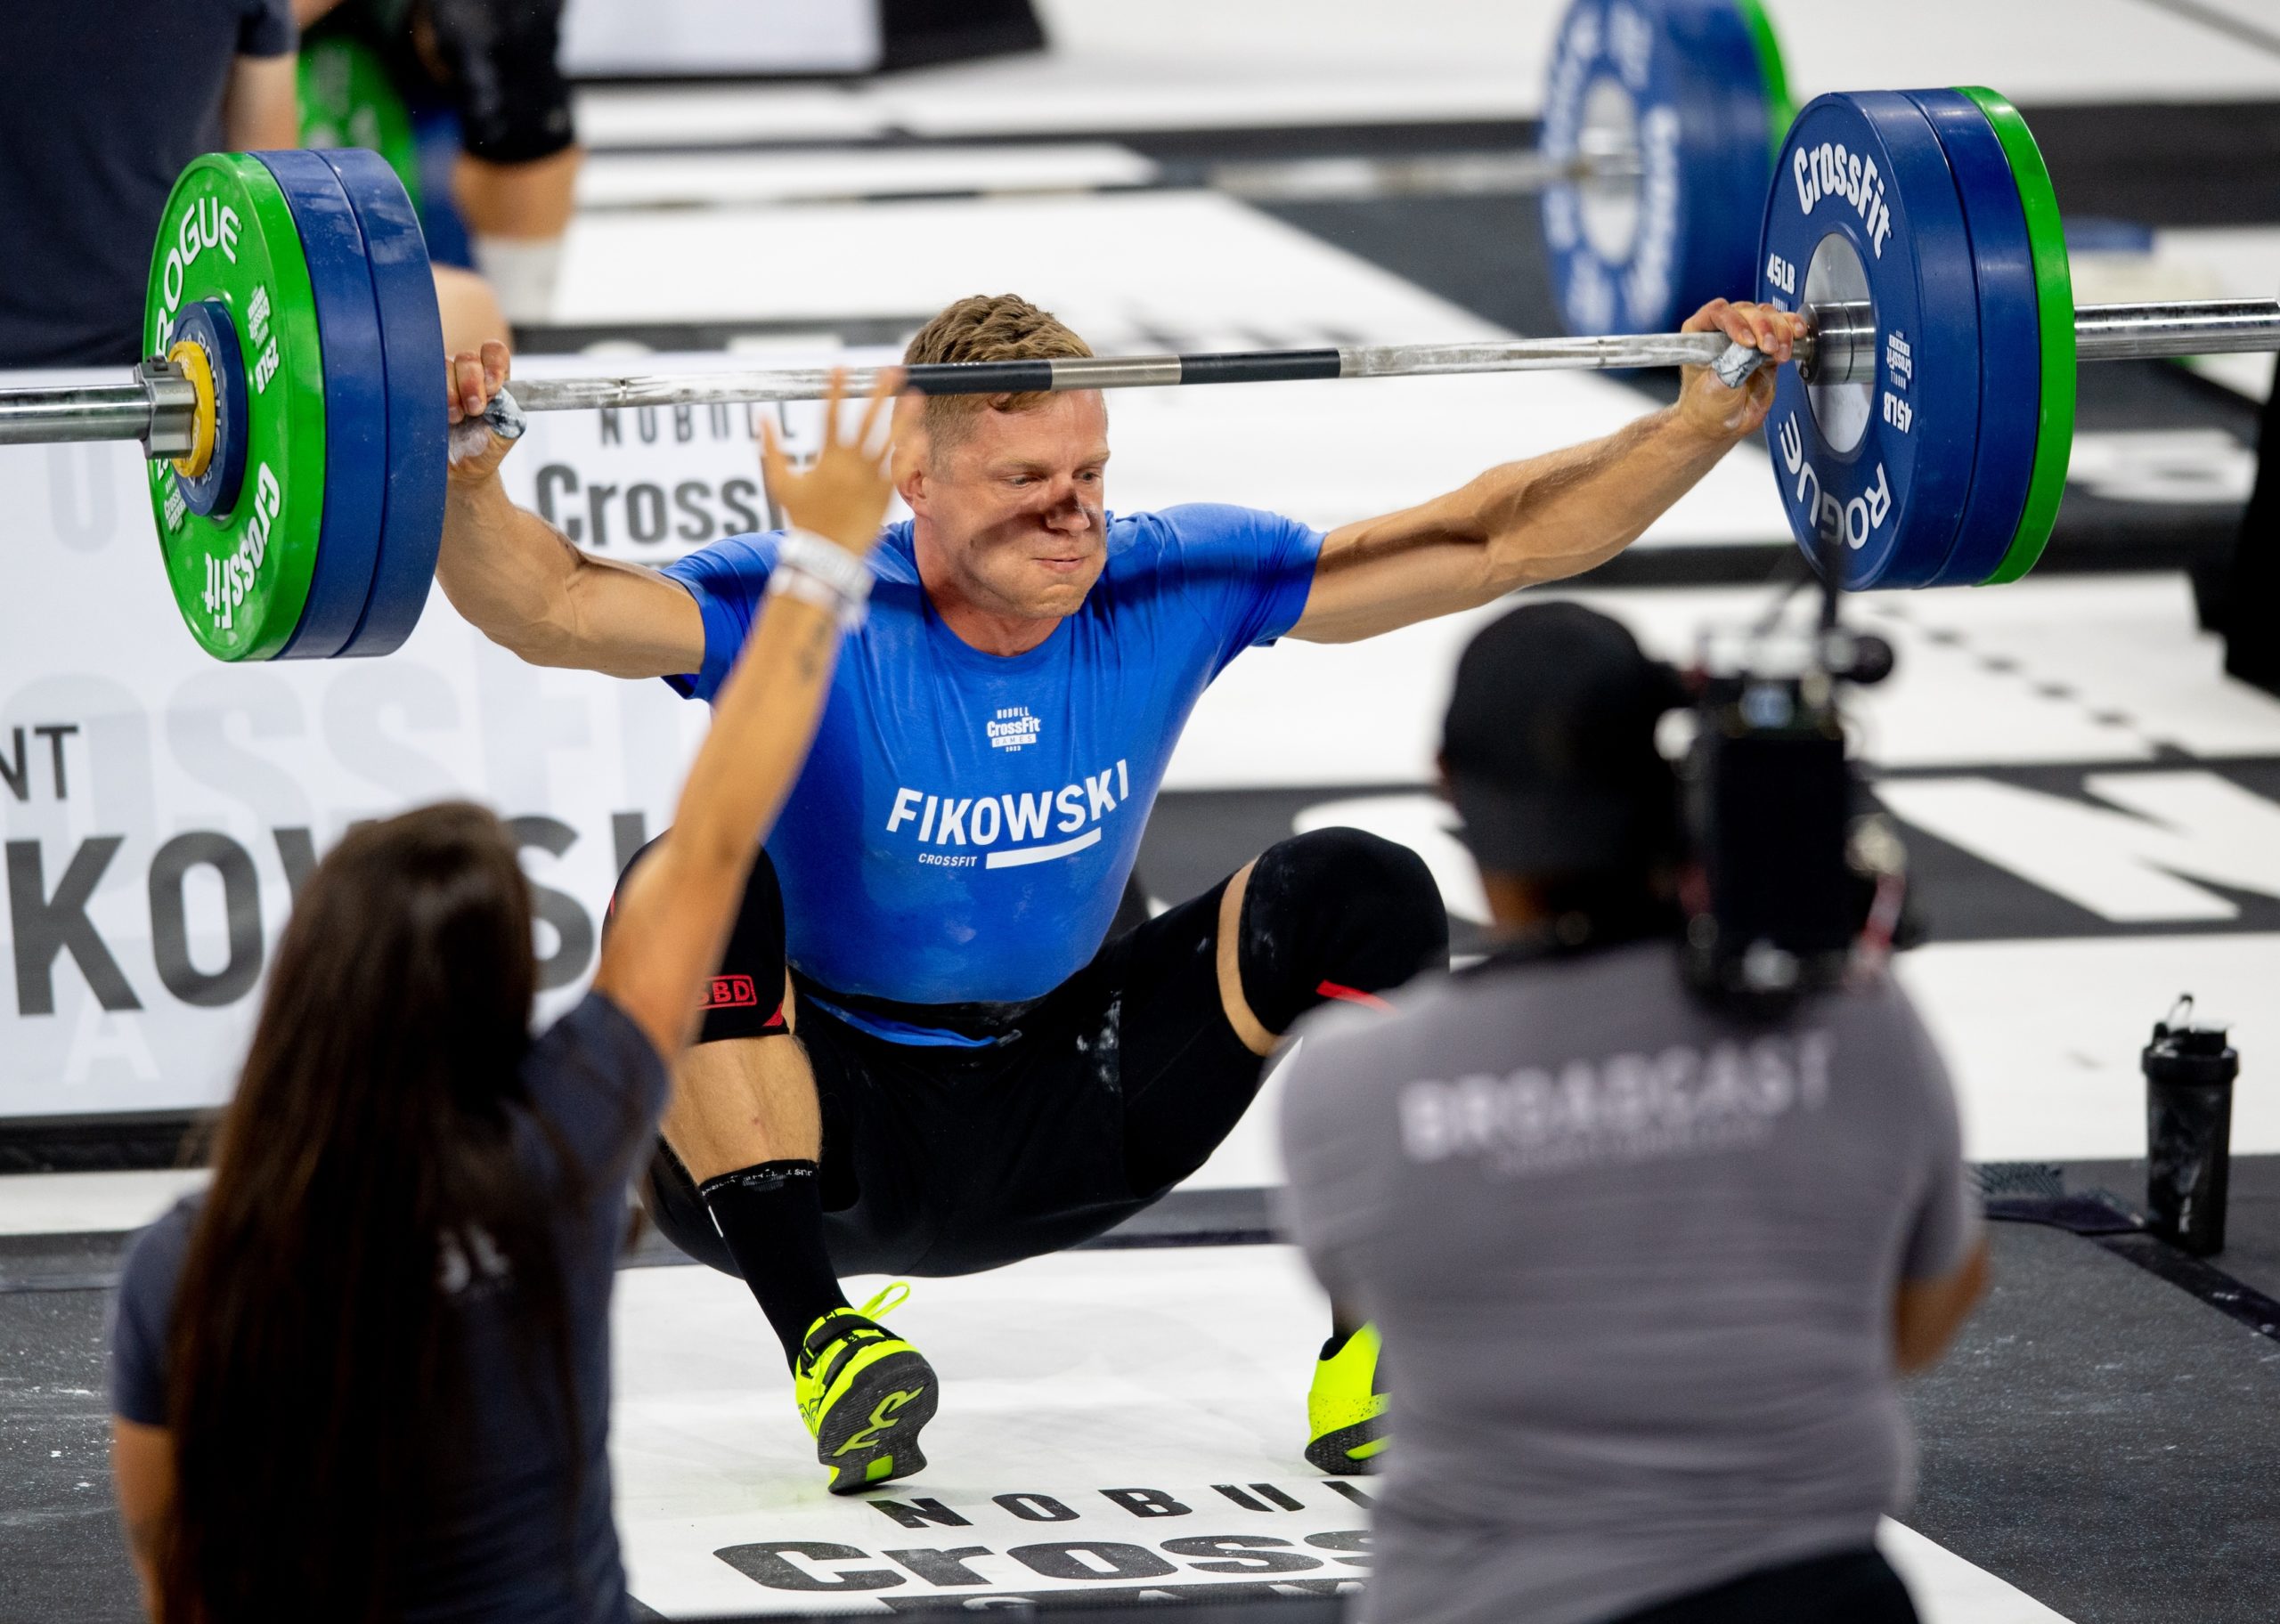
[{"x": 294, "y": 419}]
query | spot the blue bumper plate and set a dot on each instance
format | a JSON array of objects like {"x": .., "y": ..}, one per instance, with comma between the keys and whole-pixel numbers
[
  {"x": 1865, "y": 210},
  {"x": 355, "y": 390},
  {"x": 1684, "y": 82},
  {"x": 2010, "y": 340},
  {"x": 412, "y": 352}
]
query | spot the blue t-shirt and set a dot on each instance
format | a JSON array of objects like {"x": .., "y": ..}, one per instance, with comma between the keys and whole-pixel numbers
[
  {"x": 965, "y": 822},
  {"x": 499, "y": 1547}
]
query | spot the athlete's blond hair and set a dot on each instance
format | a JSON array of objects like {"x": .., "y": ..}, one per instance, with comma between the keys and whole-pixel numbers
[{"x": 986, "y": 327}]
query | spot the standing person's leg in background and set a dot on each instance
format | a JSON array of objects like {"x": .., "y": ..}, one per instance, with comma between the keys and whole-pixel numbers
[{"x": 517, "y": 176}]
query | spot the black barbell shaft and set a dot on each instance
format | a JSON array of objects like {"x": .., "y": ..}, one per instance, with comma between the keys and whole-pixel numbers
[{"x": 155, "y": 408}]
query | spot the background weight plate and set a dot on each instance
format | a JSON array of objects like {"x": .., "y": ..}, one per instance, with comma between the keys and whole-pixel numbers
[
  {"x": 1642, "y": 256},
  {"x": 1865, "y": 170},
  {"x": 2010, "y": 337},
  {"x": 412, "y": 350},
  {"x": 2055, "y": 311},
  {"x": 1781, "y": 110},
  {"x": 348, "y": 98},
  {"x": 355, "y": 386},
  {"x": 227, "y": 234},
  {"x": 205, "y": 323}
]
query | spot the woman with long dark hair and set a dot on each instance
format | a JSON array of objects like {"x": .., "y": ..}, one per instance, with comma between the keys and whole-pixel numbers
[{"x": 365, "y": 1375}]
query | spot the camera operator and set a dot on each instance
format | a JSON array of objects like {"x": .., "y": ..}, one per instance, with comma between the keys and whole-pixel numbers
[{"x": 1644, "y": 1262}]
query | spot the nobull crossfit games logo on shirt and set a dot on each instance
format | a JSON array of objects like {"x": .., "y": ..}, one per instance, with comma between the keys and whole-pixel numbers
[
  {"x": 1011, "y": 728},
  {"x": 1010, "y": 831},
  {"x": 1622, "y": 1108}
]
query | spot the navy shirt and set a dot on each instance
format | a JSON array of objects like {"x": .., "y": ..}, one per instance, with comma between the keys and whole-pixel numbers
[
  {"x": 103, "y": 102},
  {"x": 499, "y": 1551},
  {"x": 962, "y": 831}
]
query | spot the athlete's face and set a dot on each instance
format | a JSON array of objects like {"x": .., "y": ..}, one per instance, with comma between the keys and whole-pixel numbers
[{"x": 1014, "y": 506}]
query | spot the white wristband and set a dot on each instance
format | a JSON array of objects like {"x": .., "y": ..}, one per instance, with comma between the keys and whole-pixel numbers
[
  {"x": 798, "y": 583},
  {"x": 815, "y": 571},
  {"x": 810, "y": 554}
]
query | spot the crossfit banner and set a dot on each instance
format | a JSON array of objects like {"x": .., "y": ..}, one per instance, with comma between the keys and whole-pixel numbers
[{"x": 157, "y": 807}]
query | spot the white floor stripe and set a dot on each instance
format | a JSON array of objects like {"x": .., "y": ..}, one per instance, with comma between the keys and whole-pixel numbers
[
  {"x": 2042, "y": 1037},
  {"x": 723, "y": 115},
  {"x": 88, "y": 1203},
  {"x": 2078, "y": 648},
  {"x": 625, "y": 180}
]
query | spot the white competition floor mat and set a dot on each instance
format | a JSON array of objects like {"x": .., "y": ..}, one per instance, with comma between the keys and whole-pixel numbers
[{"x": 1108, "y": 1420}]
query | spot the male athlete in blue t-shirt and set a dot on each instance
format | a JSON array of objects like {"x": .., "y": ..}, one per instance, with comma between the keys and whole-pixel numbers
[{"x": 985, "y": 1067}]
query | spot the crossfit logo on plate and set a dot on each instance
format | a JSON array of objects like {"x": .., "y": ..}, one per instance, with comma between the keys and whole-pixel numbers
[
  {"x": 229, "y": 580},
  {"x": 1830, "y": 170},
  {"x": 1011, "y": 728}
]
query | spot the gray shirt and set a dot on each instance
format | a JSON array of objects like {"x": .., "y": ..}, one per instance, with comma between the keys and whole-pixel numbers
[{"x": 1633, "y": 1263}]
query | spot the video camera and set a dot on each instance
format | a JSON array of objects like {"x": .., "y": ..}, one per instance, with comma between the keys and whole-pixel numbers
[{"x": 1796, "y": 878}]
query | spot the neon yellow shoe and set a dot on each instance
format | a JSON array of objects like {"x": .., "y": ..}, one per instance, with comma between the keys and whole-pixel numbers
[
  {"x": 1346, "y": 1408},
  {"x": 864, "y": 1393}
]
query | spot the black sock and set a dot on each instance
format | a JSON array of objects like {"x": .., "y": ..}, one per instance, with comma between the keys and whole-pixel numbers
[{"x": 772, "y": 1217}]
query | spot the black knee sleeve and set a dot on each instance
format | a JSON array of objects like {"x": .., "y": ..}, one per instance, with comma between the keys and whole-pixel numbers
[
  {"x": 1333, "y": 914},
  {"x": 745, "y": 997}
]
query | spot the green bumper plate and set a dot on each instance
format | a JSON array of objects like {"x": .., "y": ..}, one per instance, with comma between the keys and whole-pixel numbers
[
  {"x": 241, "y": 577},
  {"x": 347, "y": 100}
]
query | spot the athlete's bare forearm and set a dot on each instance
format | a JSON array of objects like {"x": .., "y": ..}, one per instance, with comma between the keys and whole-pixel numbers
[
  {"x": 1546, "y": 518},
  {"x": 520, "y": 582},
  {"x": 1516, "y": 525},
  {"x": 1557, "y": 516},
  {"x": 523, "y": 584}
]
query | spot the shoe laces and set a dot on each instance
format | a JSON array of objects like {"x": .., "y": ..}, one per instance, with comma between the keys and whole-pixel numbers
[{"x": 893, "y": 1296}]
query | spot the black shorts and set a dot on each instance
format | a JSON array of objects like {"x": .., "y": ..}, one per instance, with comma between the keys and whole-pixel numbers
[
  {"x": 1083, "y": 1106},
  {"x": 1849, "y": 1587}
]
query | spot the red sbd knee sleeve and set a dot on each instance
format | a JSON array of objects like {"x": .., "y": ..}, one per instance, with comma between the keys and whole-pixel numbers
[{"x": 745, "y": 995}]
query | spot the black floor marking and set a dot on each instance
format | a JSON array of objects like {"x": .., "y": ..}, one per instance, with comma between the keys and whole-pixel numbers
[{"x": 2105, "y": 1221}]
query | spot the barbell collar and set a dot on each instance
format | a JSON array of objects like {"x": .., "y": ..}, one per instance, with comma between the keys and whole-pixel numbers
[{"x": 158, "y": 407}]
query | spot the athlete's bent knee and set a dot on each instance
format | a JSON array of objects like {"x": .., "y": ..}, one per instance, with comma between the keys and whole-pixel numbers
[
  {"x": 1336, "y": 913},
  {"x": 745, "y": 995}
]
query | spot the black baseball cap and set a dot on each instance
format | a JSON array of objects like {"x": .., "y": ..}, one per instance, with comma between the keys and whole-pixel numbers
[{"x": 1550, "y": 744}]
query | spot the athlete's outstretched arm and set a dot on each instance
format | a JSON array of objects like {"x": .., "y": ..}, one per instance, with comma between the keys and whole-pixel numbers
[
  {"x": 671, "y": 918},
  {"x": 1549, "y": 516},
  {"x": 521, "y": 582}
]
